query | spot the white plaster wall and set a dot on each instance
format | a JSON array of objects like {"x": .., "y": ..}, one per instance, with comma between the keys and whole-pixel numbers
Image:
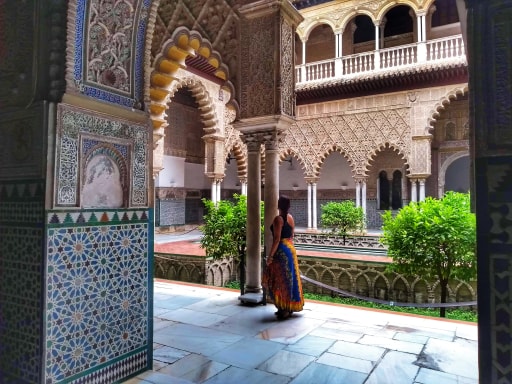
[
  {"x": 173, "y": 172},
  {"x": 335, "y": 171},
  {"x": 231, "y": 176},
  {"x": 195, "y": 177}
]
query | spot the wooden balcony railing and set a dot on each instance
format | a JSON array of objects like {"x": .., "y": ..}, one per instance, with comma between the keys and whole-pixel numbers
[{"x": 444, "y": 50}]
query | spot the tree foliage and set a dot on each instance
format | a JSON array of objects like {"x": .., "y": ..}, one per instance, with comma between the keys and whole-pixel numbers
[
  {"x": 435, "y": 238},
  {"x": 225, "y": 228},
  {"x": 342, "y": 217}
]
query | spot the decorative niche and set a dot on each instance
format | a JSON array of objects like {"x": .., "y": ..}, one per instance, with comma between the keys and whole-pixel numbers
[
  {"x": 105, "y": 179},
  {"x": 101, "y": 162}
]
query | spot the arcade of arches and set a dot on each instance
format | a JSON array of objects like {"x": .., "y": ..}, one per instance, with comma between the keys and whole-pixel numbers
[{"x": 119, "y": 115}]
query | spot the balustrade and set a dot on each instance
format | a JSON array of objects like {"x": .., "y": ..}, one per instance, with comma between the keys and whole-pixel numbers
[{"x": 441, "y": 50}]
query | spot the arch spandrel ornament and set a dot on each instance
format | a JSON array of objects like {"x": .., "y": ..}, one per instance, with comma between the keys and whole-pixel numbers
[{"x": 358, "y": 135}]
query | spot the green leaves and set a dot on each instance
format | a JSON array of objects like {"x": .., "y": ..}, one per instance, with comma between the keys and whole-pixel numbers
[
  {"x": 434, "y": 238},
  {"x": 342, "y": 217},
  {"x": 225, "y": 227}
]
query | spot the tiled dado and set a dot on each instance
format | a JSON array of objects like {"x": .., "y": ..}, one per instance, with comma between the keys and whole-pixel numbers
[
  {"x": 21, "y": 286},
  {"x": 98, "y": 295}
]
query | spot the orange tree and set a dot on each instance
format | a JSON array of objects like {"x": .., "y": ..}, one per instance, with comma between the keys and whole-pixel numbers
[
  {"x": 342, "y": 217},
  {"x": 434, "y": 238},
  {"x": 225, "y": 229}
]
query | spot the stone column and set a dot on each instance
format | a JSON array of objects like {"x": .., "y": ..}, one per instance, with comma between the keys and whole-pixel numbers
[
  {"x": 414, "y": 190},
  {"x": 214, "y": 190},
  {"x": 253, "y": 257},
  {"x": 422, "y": 45},
  {"x": 489, "y": 40},
  {"x": 313, "y": 185},
  {"x": 303, "y": 77},
  {"x": 243, "y": 182},
  {"x": 267, "y": 98},
  {"x": 377, "y": 47},
  {"x": 310, "y": 218},
  {"x": 358, "y": 193},
  {"x": 338, "y": 62},
  {"x": 271, "y": 190},
  {"x": 363, "y": 196},
  {"x": 422, "y": 189},
  {"x": 382, "y": 26}
]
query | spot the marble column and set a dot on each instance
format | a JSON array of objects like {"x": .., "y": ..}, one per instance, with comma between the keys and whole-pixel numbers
[
  {"x": 271, "y": 190},
  {"x": 363, "y": 196},
  {"x": 253, "y": 257},
  {"x": 214, "y": 191},
  {"x": 377, "y": 47},
  {"x": 358, "y": 193},
  {"x": 422, "y": 189},
  {"x": 310, "y": 218},
  {"x": 243, "y": 190},
  {"x": 414, "y": 191},
  {"x": 314, "y": 223},
  {"x": 218, "y": 193}
]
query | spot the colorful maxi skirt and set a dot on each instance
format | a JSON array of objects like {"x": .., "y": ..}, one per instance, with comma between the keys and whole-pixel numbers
[{"x": 281, "y": 278}]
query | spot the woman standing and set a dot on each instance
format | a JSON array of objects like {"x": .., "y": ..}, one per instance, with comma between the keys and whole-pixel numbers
[{"x": 282, "y": 275}]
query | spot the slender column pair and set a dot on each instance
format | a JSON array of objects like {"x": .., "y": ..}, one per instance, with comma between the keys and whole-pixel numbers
[
  {"x": 312, "y": 205},
  {"x": 414, "y": 190}
]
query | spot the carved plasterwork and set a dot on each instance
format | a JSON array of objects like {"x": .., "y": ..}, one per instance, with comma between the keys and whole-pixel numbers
[
  {"x": 216, "y": 21},
  {"x": 127, "y": 139},
  {"x": 106, "y": 50},
  {"x": 170, "y": 66},
  {"x": 258, "y": 88},
  {"x": 211, "y": 99},
  {"x": 420, "y": 152},
  {"x": 357, "y": 135},
  {"x": 287, "y": 84},
  {"x": 234, "y": 144}
]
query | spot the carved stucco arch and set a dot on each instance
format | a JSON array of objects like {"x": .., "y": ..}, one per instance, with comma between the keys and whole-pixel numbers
[
  {"x": 169, "y": 73},
  {"x": 202, "y": 97},
  {"x": 382, "y": 147},
  {"x": 335, "y": 148},
  {"x": 442, "y": 105},
  {"x": 288, "y": 152},
  {"x": 441, "y": 178},
  {"x": 240, "y": 153}
]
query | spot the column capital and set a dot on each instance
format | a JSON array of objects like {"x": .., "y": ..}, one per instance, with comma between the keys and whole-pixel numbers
[
  {"x": 252, "y": 141},
  {"x": 272, "y": 140}
]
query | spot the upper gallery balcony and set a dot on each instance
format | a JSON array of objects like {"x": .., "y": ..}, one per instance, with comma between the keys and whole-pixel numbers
[
  {"x": 440, "y": 52},
  {"x": 403, "y": 46}
]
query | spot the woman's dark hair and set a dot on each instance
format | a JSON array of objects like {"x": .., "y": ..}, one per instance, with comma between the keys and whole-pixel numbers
[{"x": 283, "y": 204}]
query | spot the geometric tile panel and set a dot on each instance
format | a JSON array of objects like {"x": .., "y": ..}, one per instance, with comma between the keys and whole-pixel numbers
[
  {"x": 97, "y": 293},
  {"x": 21, "y": 271},
  {"x": 117, "y": 371}
]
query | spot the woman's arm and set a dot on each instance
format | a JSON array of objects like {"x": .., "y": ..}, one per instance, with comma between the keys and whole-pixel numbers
[{"x": 277, "y": 226}]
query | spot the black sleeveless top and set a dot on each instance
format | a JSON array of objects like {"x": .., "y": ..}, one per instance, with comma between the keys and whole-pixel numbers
[{"x": 286, "y": 231}]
